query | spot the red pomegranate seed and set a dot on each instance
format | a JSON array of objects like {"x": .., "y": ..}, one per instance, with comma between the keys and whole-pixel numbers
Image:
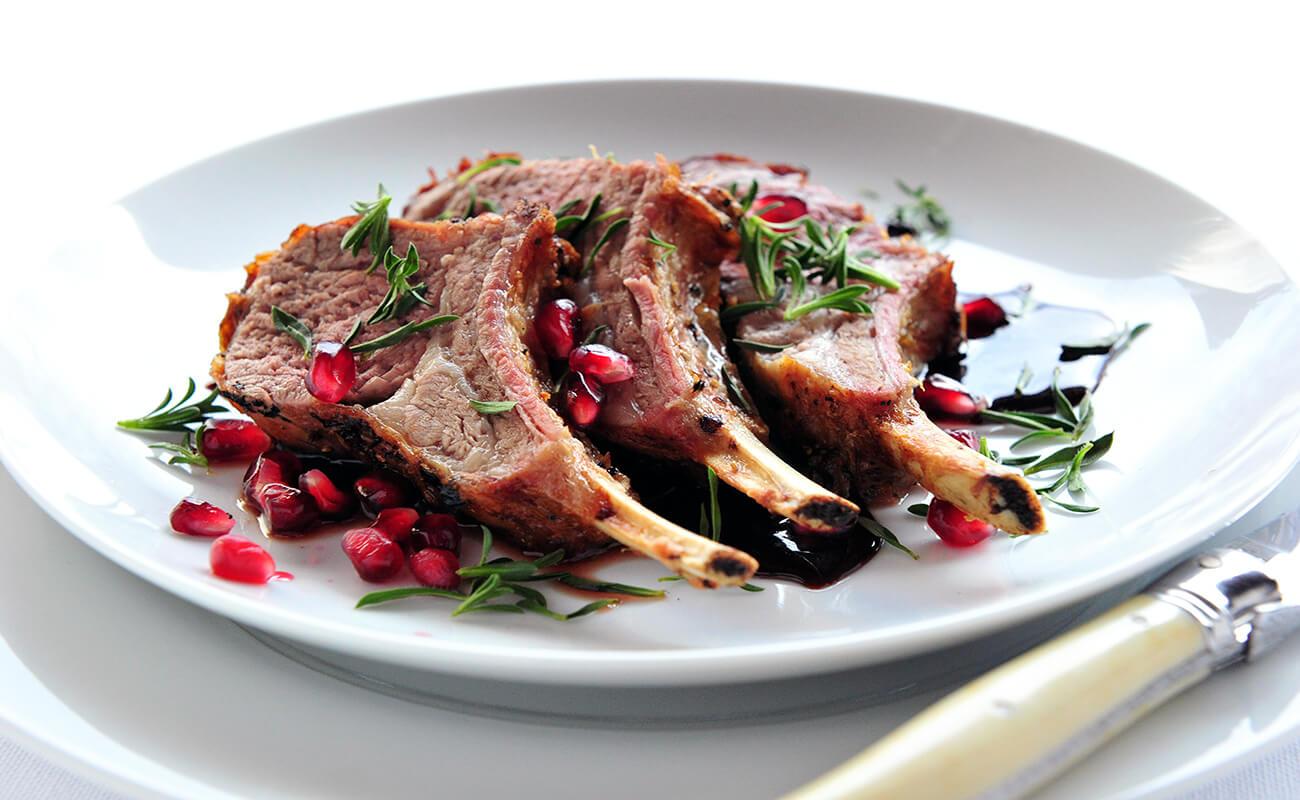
[
  {"x": 333, "y": 371},
  {"x": 373, "y": 554},
  {"x": 785, "y": 208},
  {"x": 954, "y": 527},
  {"x": 437, "y": 568},
  {"x": 201, "y": 519},
  {"x": 557, "y": 326},
  {"x": 602, "y": 364},
  {"x": 273, "y": 466},
  {"x": 397, "y": 522},
  {"x": 237, "y": 559},
  {"x": 966, "y": 437},
  {"x": 330, "y": 499},
  {"x": 583, "y": 399},
  {"x": 944, "y": 398},
  {"x": 441, "y": 531},
  {"x": 286, "y": 509},
  {"x": 233, "y": 440},
  {"x": 983, "y": 316},
  {"x": 380, "y": 490}
]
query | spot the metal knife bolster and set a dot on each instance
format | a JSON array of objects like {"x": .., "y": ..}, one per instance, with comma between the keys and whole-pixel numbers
[{"x": 1232, "y": 594}]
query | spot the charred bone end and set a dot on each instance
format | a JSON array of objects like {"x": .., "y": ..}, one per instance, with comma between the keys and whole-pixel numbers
[
  {"x": 830, "y": 513},
  {"x": 1014, "y": 497}
]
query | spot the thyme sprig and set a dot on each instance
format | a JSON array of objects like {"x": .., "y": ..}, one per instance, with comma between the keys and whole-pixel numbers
[
  {"x": 571, "y": 225},
  {"x": 886, "y": 535},
  {"x": 611, "y": 229},
  {"x": 400, "y": 333},
  {"x": 179, "y": 415},
  {"x": 297, "y": 330},
  {"x": 401, "y": 295},
  {"x": 485, "y": 165},
  {"x": 372, "y": 227},
  {"x": 921, "y": 214},
  {"x": 185, "y": 452}
]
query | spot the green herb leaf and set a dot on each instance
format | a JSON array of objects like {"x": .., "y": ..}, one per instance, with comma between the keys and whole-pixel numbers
[
  {"x": 388, "y": 595},
  {"x": 186, "y": 452},
  {"x": 177, "y": 416},
  {"x": 751, "y": 194},
  {"x": 715, "y": 510},
  {"x": 1078, "y": 509},
  {"x": 586, "y": 585},
  {"x": 492, "y": 406},
  {"x": 733, "y": 389},
  {"x": 399, "y": 270},
  {"x": 372, "y": 227},
  {"x": 922, "y": 214},
  {"x": 288, "y": 323},
  {"x": 485, "y": 165},
  {"x": 590, "y": 608},
  {"x": 845, "y": 299},
  {"x": 919, "y": 509},
  {"x": 1026, "y": 419},
  {"x": 762, "y": 347},
  {"x": 402, "y": 332},
  {"x": 570, "y": 226},
  {"x": 740, "y": 309},
  {"x": 1062, "y": 458},
  {"x": 613, "y": 228},
  {"x": 885, "y": 535},
  {"x": 751, "y": 587}
]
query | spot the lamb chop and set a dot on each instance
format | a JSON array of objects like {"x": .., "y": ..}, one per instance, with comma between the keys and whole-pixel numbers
[
  {"x": 839, "y": 383},
  {"x": 648, "y": 246},
  {"x": 520, "y": 470}
]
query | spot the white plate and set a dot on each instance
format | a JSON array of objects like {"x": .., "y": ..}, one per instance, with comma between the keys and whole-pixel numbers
[
  {"x": 127, "y": 305},
  {"x": 155, "y": 698}
]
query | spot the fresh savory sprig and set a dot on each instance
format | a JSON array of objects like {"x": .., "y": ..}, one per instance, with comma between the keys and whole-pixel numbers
[
  {"x": 922, "y": 214},
  {"x": 491, "y": 580},
  {"x": 401, "y": 295},
  {"x": 400, "y": 333},
  {"x": 611, "y": 229},
  {"x": 372, "y": 227},
  {"x": 176, "y": 416},
  {"x": 486, "y": 165},
  {"x": 187, "y": 451},
  {"x": 296, "y": 329},
  {"x": 489, "y": 407}
]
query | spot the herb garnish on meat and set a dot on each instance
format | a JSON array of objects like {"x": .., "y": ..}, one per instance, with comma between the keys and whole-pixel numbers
[
  {"x": 400, "y": 333},
  {"x": 401, "y": 294},
  {"x": 177, "y": 416},
  {"x": 288, "y": 323},
  {"x": 372, "y": 228},
  {"x": 922, "y": 214}
]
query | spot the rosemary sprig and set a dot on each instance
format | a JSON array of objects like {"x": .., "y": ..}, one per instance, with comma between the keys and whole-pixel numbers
[
  {"x": 846, "y": 299},
  {"x": 715, "y": 510},
  {"x": 571, "y": 225},
  {"x": 178, "y": 415},
  {"x": 288, "y": 323},
  {"x": 733, "y": 389},
  {"x": 922, "y": 214},
  {"x": 761, "y": 347},
  {"x": 492, "y": 406},
  {"x": 613, "y": 228},
  {"x": 885, "y": 535},
  {"x": 400, "y": 333},
  {"x": 744, "y": 587},
  {"x": 372, "y": 227},
  {"x": 186, "y": 452},
  {"x": 741, "y": 309},
  {"x": 657, "y": 242},
  {"x": 919, "y": 509},
  {"x": 485, "y": 165},
  {"x": 399, "y": 270}
]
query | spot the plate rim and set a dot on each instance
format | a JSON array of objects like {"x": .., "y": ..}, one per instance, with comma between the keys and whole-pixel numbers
[{"x": 737, "y": 663}]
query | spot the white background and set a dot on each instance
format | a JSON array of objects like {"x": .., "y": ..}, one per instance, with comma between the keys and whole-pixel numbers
[{"x": 101, "y": 98}]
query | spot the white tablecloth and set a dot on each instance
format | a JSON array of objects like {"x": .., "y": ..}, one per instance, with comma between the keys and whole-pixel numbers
[{"x": 102, "y": 97}]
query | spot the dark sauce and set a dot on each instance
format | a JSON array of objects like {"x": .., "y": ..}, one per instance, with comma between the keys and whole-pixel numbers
[
  {"x": 1041, "y": 338},
  {"x": 815, "y": 560}
]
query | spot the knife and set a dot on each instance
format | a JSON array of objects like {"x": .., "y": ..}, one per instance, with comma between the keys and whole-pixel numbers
[{"x": 1017, "y": 727}]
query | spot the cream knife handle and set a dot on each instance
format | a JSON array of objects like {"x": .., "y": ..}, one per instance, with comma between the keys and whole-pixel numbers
[{"x": 1018, "y": 726}]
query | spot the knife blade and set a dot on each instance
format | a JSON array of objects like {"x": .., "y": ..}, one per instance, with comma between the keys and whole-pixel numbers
[{"x": 1012, "y": 730}]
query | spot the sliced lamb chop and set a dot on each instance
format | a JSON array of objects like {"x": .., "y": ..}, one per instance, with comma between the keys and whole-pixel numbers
[
  {"x": 843, "y": 389},
  {"x": 660, "y": 304},
  {"x": 520, "y": 470}
]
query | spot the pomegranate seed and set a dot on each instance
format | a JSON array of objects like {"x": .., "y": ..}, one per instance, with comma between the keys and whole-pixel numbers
[
  {"x": 441, "y": 531},
  {"x": 557, "y": 326},
  {"x": 954, "y": 526},
  {"x": 237, "y": 559},
  {"x": 201, "y": 519},
  {"x": 333, "y": 371},
  {"x": 944, "y": 398},
  {"x": 273, "y": 466},
  {"x": 983, "y": 316},
  {"x": 785, "y": 208},
  {"x": 233, "y": 440},
  {"x": 437, "y": 568},
  {"x": 966, "y": 437},
  {"x": 330, "y": 499},
  {"x": 601, "y": 363},
  {"x": 286, "y": 509},
  {"x": 374, "y": 555},
  {"x": 583, "y": 400},
  {"x": 397, "y": 522},
  {"x": 380, "y": 490}
]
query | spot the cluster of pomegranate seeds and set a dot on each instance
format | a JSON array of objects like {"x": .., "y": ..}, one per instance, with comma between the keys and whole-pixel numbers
[
  {"x": 333, "y": 372},
  {"x": 943, "y": 398},
  {"x": 605, "y": 365},
  {"x": 332, "y": 501},
  {"x": 780, "y": 208},
  {"x": 380, "y": 490},
  {"x": 238, "y": 559},
  {"x": 983, "y": 316},
  {"x": 271, "y": 488},
  {"x": 952, "y": 525},
  {"x": 226, "y": 440},
  {"x": 194, "y": 518},
  {"x": 374, "y": 555},
  {"x": 583, "y": 399},
  {"x": 557, "y": 327},
  {"x": 436, "y": 568}
]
